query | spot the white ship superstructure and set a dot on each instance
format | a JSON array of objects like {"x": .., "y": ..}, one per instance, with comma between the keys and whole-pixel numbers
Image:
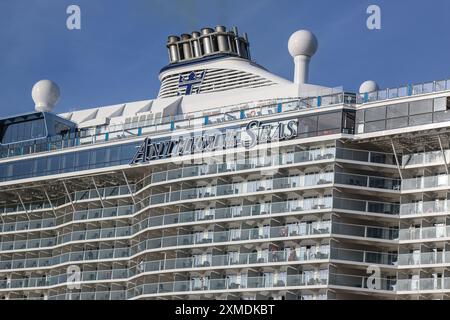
[{"x": 234, "y": 183}]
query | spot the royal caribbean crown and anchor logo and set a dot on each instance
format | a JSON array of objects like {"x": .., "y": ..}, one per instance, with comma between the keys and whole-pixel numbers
[{"x": 192, "y": 83}]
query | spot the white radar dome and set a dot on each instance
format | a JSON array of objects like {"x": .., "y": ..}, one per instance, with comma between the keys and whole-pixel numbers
[
  {"x": 368, "y": 86},
  {"x": 302, "y": 43},
  {"x": 45, "y": 94}
]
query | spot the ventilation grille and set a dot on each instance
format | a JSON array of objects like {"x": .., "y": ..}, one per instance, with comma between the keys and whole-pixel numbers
[{"x": 215, "y": 80}]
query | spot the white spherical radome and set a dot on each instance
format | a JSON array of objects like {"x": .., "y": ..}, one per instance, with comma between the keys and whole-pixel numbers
[
  {"x": 303, "y": 43},
  {"x": 368, "y": 87},
  {"x": 45, "y": 94}
]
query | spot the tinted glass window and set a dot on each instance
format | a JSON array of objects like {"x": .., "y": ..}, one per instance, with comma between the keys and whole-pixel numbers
[
  {"x": 421, "y": 106},
  {"x": 420, "y": 119},
  {"x": 374, "y": 114},
  {"x": 359, "y": 116},
  {"x": 374, "y": 126},
  {"x": 82, "y": 160},
  {"x": 307, "y": 124},
  {"x": 397, "y": 110},
  {"x": 441, "y": 104},
  {"x": 349, "y": 122},
  {"x": 441, "y": 116},
  {"x": 329, "y": 121},
  {"x": 68, "y": 162},
  {"x": 397, "y": 123},
  {"x": 23, "y": 131}
]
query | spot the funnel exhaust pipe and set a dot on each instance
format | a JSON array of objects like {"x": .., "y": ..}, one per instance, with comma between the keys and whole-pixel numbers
[
  {"x": 207, "y": 43},
  {"x": 174, "y": 54},
  {"x": 222, "y": 39},
  {"x": 196, "y": 44},
  {"x": 187, "y": 50}
]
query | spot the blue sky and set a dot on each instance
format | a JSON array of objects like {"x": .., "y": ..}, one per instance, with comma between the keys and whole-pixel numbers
[{"x": 117, "y": 55}]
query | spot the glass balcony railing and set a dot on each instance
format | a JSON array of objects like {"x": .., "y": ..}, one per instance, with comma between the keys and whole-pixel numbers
[
  {"x": 405, "y": 91},
  {"x": 308, "y": 204},
  {"x": 425, "y": 182},
  {"x": 238, "y": 189},
  {"x": 27, "y": 244},
  {"x": 102, "y": 275},
  {"x": 425, "y": 158},
  {"x": 220, "y": 190},
  {"x": 203, "y": 170},
  {"x": 435, "y": 232},
  {"x": 423, "y": 258},
  {"x": 271, "y": 258},
  {"x": 365, "y": 231},
  {"x": 234, "y": 166},
  {"x": 261, "y": 233},
  {"x": 423, "y": 284},
  {"x": 225, "y": 284},
  {"x": 365, "y": 156},
  {"x": 97, "y": 295},
  {"x": 82, "y": 195},
  {"x": 269, "y": 282},
  {"x": 262, "y": 257},
  {"x": 426, "y": 207},
  {"x": 367, "y": 181},
  {"x": 67, "y": 257},
  {"x": 369, "y": 257},
  {"x": 154, "y": 243},
  {"x": 366, "y": 206},
  {"x": 160, "y": 124},
  {"x": 362, "y": 282},
  {"x": 294, "y": 206}
]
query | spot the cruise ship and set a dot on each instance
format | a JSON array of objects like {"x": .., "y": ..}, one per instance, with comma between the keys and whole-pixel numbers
[{"x": 233, "y": 184}]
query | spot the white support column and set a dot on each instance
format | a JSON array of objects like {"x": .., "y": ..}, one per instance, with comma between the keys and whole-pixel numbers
[
  {"x": 396, "y": 160},
  {"x": 98, "y": 193},
  {"x": 51, "y": 204},
  {"x": 68, "y": 195},
  {"x": 128, "y": 185},
  {"x": 443, "y": 153},
  {"x": 23, "y": 205}
]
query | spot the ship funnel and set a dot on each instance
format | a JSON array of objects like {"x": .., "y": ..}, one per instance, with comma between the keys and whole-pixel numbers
[{"x": 208, "y": 42}]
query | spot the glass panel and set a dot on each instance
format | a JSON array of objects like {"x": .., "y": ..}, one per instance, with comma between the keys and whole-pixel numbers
[
  {"x": 374, "y": 114},
  {"x": 396, "y": 123},
  {"x": 421, "y": 106},
  {"x": 420, "y": 119},
  {"x": 329, "y": 121},
  {"x": 375, "y": 126},
  {"x": 397, "y": 110}
]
